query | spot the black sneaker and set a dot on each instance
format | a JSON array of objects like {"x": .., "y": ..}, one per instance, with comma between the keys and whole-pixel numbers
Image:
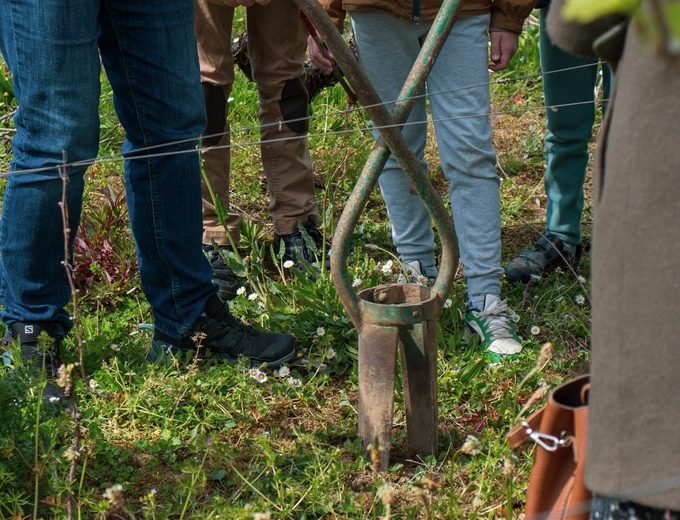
[
  {"x": 547, "y": 254},
  {"x": 300, "y": 249},
  {"x": 26, "y": 335},
  {"x": 224, "y": 278},
  {"x": 226, "y": 338}
]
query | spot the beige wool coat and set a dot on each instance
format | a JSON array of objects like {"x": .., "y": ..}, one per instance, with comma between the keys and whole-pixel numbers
[{"x": 633, "y": 450}]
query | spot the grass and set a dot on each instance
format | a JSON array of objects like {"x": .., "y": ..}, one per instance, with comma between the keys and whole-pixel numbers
[{"x": 190, "y": 440}]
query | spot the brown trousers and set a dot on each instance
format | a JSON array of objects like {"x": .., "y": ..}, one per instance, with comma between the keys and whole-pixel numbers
[{"x": 277, "y": 42}]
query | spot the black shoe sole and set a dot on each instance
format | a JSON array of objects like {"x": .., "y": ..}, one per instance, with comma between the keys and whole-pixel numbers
[
  {"x": 255, "y": 363},
  {"x": 160, "y": 351}
]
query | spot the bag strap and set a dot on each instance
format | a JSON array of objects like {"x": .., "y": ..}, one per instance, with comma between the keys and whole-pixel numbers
[{"x": 585, "y": 393}]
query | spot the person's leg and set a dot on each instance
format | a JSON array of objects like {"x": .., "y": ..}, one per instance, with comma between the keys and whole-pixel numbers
[
  {"x": 569, "y": 129},
  {"x": 467, "y": 155},
  {"x": 387, "y": 48},
  {"x": 221, "y": 226},
  {"x": 213, "y": 40},
  {"x": 568, "y": 134},
  {"x": 277, "y": 43},
  {"x": 149, "y": 52},
  {"x": 459, "y": 97},
  {"x": 52, "y": 52}
]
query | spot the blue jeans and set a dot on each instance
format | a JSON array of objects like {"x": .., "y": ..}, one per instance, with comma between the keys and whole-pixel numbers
[
  {"x": 148, "y": 49},
  {"x": 388, "y": 47}
]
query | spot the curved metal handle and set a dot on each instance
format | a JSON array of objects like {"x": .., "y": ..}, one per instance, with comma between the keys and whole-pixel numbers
[{"x": 390, "y": 140}]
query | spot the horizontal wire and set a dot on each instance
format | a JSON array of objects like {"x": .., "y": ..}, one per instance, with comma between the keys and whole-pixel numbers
[
  {"x": 112, "y": 159},
  {"x": 121, "y": 157}
]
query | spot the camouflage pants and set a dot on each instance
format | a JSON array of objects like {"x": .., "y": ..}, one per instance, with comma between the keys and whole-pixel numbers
[{"x": 604, "y": 508}]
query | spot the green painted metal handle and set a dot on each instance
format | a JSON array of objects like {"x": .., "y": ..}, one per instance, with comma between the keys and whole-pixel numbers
[{"x": 390, "y": 140}]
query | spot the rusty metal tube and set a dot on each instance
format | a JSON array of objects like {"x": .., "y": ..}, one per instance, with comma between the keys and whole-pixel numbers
[{"x": 393, "y": 317}]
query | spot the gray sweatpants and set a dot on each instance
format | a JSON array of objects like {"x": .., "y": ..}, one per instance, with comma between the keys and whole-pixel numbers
[{"x": 458, "y": 94}]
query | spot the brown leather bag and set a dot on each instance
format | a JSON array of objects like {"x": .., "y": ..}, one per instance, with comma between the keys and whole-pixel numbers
[{"x": 556, "y": 488}]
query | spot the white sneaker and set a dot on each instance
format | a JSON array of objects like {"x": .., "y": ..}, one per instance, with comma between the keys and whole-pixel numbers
[{"x": 494, "y": 327}]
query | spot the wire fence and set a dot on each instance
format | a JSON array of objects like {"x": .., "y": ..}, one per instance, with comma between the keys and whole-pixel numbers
[{"x": 193, "y": 145}]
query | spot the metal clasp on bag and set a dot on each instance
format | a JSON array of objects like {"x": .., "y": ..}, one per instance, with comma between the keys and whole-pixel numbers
[{"x": 546, "y": 441}]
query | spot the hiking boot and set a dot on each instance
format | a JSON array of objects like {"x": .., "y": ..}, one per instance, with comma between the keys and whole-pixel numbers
[
  {"x": 224, "y": 278},
  {"x": 494, "y": 327},
  {"x": 413, "y": 272},
  {"x": 300, "y": 249},
  {"x": 547, "y": 254},
  {"x": 39, "y": 356},
  {"x": 227, "y": 339}
]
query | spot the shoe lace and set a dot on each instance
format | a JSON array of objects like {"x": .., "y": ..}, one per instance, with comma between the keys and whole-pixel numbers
[
  {"x": 497, "y": 320},
  {"x": 236, "y": 326}
]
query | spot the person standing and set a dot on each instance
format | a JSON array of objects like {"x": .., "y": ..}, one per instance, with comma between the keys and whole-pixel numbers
[
  {"x": 633, "y": 450},
  {"x": 54, "y": 52},
  {"x": 567, "y": 80},
  {"x": 388, "y": 37},
  {"x": 277, "y": 44}
]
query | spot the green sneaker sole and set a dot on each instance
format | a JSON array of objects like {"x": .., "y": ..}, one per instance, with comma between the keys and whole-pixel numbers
[{"x": 494, "y": 357}]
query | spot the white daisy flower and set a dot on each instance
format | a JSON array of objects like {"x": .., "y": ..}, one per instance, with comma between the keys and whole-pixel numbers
[
  {"x": 387, "y": 268},
  {"x": 330, "y": 354},
  {"x": 579, "y": 299},
  {"x": 284, "y": 371},
  {"x": 114, "y": 493},
  {"x": 258, "y": 375},
  {"x": 252, "y": 296},
  {"x": 241, "y": 290},
  {"x": 288, "y": 264},
  {"x": 320, "y": 331},
  {"x": 581, "y": 279},
  {"x": 448, "y": 303},
  {"x": 357, "y": 282},
  {"x": 535, "y": 330},
  {"x": 294, "y": 382}
]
